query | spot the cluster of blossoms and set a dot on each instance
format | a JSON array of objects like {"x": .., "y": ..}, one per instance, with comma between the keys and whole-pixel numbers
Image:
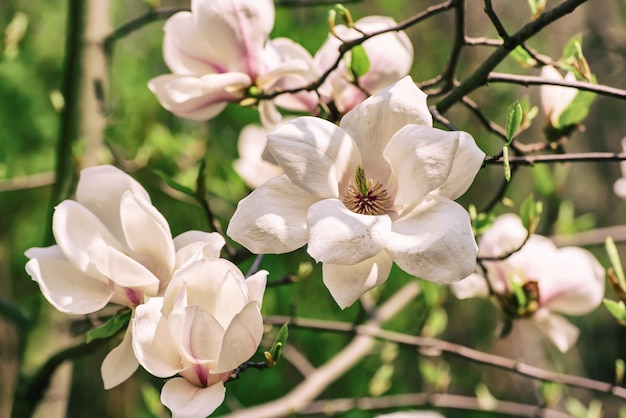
[
  {"x": 194, "y": 314},
  {"x": 377, "y": 188}
]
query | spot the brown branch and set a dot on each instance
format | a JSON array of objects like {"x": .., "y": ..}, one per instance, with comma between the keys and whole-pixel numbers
[
  {"x": 456, "y": 350},
  {"x": 449, "y": 71},
  {"x": 528, "y": 160},
  {"x": 497, "y": 23},
  {"x": 479, "y": 77},
  {"x": 525, "y": 80}
]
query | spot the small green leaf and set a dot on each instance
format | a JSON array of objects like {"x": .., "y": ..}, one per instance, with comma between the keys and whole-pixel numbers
[
  {"x": 174, "y": 184},
  {"x": 513, "y": 120},
  {"x": 537, "y": 7},
  {"x": 522, "y": 57},
  {"x": 578, "y": 109},
  {"x": 359, "y": 62},
  {"x": 111, "y": 327},
  {"x": 543, "y": 179},
  {"x": 573, "y": 48},
  {"x": 616, "y": 261},
  {"x": 436, "y": 322},
  {"x": 576, "y": 408},
  {"x": 620, "y": 368},
  {"x": 530, "y": 213},
  {"x": 551, "y": 392},
  {"x": 279, "y": 342},
  {"x": 507, "y": 163},
  {"x": 485, "y": 399},
  {"x": 617, "y": 309},
  {"x": 382, "y": 379}
]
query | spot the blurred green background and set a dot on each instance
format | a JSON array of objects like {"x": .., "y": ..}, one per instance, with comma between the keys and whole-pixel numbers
[{"x": 127, "y": 127}]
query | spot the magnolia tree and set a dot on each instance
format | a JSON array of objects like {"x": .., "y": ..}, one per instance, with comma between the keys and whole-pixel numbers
[{"x": 351, "y": 225}]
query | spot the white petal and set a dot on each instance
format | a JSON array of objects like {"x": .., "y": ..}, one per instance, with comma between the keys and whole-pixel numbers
[
  {"x": 434, "y": 242},
  {"x": 555, "y": 99},
  {"x": 377, "y": 119},
  {"x": 100, "y": 190},
  {"x": 572, "y": 282},
  {"x": 250, "y": 166},
  {"x": 340, "y": 236},
  {"x": 124, "y": 271},
  {"x": 558, "y": 329},
  {"x": 505, "y": 235},
  {"x": 421, "y": 158},
  {"x": 347, "y": 283},
  {"x": 148, "y": 236},
  {"x": 120, "y": 363},
  {"x": 474, "y": 285},
  {"x": 242, "y": 338},
  {"x": 272, "y": 219},
  {"x": 188, "y": 401},
  {"x": 197, "y": 333},
  {"x": 152, "y": 342},
  {"x": 68, "y": 289},
  {"x": 187, "y": 52},
  {"x": 316, "y": 155},
  {"x": 256, "y": 286},
  {"x": 239, "y": 28},
  {"x": 194, "y": 245},
  {"x": 619, "y": 187},
  {"x": 78, "y": 232},
  {"x": 198, "y": 98},
  {"x": 468, "y": 159}
]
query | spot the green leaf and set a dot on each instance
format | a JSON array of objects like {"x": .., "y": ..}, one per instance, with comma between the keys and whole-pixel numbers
[
  {"x": 573, "y": 48},
  {"x": 359, "y": 61},
  {"x": 530, "y": 213},
  {"x": 620, "y": 368},
  {"x": 485, "y": 399},
  {"x": 279, "y": 342},
  {"x": 542, "y": 177},
  {"x": 575, "y": 408},
  {"x": 551, "y": 392},
  {"x": 536, "y": 7},
  {"x": 513, "y": 120},
  {"x": 436, "y": 322},
  {"x": 111, "y": 327},
  {"x": 522, "y": 57},
  {"x": 174, "y": 184},
  {"x": 507, "y": 163},
  {"x": 577, "y": 110},
  {"x": 617, "y": 309},
  {"x": 382, "y": 379},
  {"x": 616, "y": 261}
]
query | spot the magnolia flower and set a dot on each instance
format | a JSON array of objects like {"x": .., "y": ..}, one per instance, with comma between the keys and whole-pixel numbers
[
  {"x": 207, "y": 324},
  {"x": 374, "y": 190},
  {"x": 112, "y": 246},
  {"x": 390, "y": 56},
  {"x": 567, "y": 280},
  {"x": 620, "y": 184},
  {"x": 219, "y": 52},
  {"x": 555, "y": 99},
  {"x": 253, "y": 165}
]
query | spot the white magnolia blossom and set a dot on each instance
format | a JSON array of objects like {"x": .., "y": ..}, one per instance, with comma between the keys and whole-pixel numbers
[
  {"x": 113, "y": 246},
  {"x": 207, "y": 324},
  {"x": 619, "y": 187},
  {"x": 375, "y": 190},
  {"x": 568, "y": 280},
  {"x": 220, "y": 50},
  {"x": 390, "y": 56},
  {"x": 555, "y": 99},
  {"x": 255, "y": 164}
]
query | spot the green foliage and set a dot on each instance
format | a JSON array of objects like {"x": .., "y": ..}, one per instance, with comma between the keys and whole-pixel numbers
[
  {"x": 279, "y": 344},
  {"x": 530, "y": 213},
  {"x": 359, "y": 62},
  {"x": 111, "y": 327},
  {"x": 617, "y": 309},
  {"x": 514, "y": 118}
]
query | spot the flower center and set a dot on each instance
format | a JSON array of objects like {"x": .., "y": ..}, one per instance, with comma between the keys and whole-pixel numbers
[{"x": 366, "y": 197}]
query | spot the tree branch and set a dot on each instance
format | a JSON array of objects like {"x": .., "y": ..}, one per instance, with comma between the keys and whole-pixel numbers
[{"x": 530, "y": 160}]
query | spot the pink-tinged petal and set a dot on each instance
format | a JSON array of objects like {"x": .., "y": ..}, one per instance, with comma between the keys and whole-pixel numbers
[
  {"x": 473, "y": 286},
  {"x": 251, "y": 166},
  {"x": 215, "y": 285},
  {"x": 52, "y": 251},
  {"x": 188, "y": 401},
  {"x": 194, "y": 245},
  {"x": 238, "y": 27},
  {"x": 124, "y": 271},
  {"x": 421, "y": 159},
  {"x": 505, "y": 235},
  {"x": 572, "y": 282},
  {"x": 152, "y": 342},
  {"x": 434, "y": 242},
  {"x": 340, "y": 236},
  {"x": 78, "y": 232},
  {"x": 100, "y": 190},
  {"x": 256, "y": 286},
  {"x": 242, "y": 338},
  {"x": 187, "y": 52},
  {"x": 468, "y": 159},
  {"x": 377, "y": 119},
  {"x": 557, "y": 329},
  {"x": 347, "y": 283},
  {"x": 120, "y": 363},
  {"x": 316, "y": 155},
  {"x": 148, "y": 236},
  {"x": 198, "y": 98},
  {"x": 69, "y": 290},
  {"x": 269, "y": 115},
  {"x": 272, "y": 219},
  {"x": 555, "y": 99}
]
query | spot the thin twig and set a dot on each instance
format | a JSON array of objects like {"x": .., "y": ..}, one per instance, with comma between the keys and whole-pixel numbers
[
  {"x": 497, "y": 23},
  {"x": 526, "y": 80},
  {"x": 530, "y": 160},
  {"x": 437, "y": 345}
]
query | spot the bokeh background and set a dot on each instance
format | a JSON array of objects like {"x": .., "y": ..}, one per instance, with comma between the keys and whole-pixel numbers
[{"x": 119, "y": 121}]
